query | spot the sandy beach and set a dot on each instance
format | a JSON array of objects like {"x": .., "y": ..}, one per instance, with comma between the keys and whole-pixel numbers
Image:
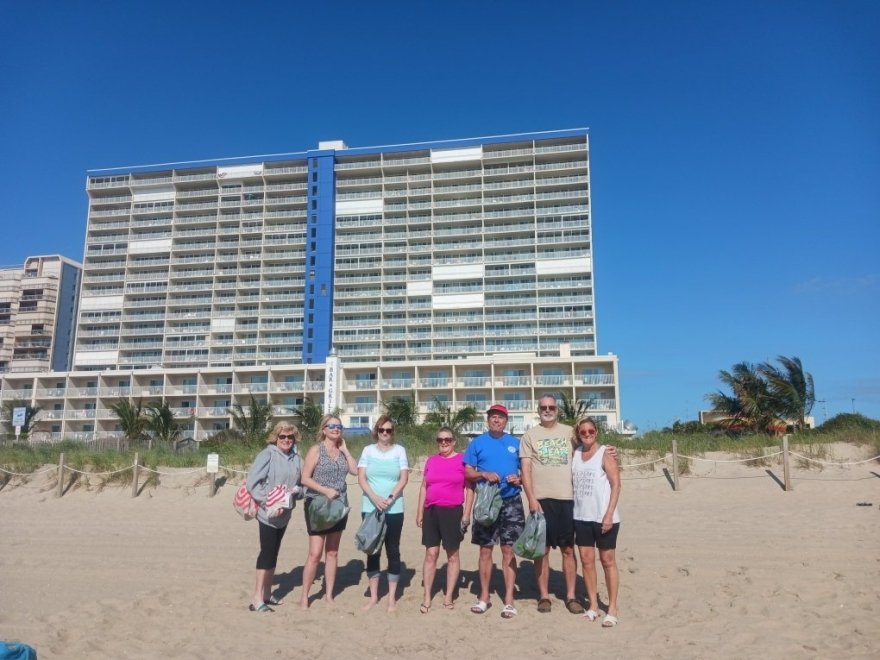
[{"x": 730, "y": 566}]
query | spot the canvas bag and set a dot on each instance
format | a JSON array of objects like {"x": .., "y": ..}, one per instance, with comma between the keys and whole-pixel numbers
[
  {"x": 244, "y": 504},
  {"x": 532, "y": 543},
  {"x": 488, "y": 503},
  {"x": 324, "y": 512},
  {"x": 371, "y": 533}
]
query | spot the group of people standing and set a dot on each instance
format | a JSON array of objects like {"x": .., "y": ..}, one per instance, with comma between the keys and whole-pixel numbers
[{"x": 567, "y": 476}]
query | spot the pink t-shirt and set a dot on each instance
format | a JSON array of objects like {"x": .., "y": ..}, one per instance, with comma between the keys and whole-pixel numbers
[{"x": 444, "y": 480}]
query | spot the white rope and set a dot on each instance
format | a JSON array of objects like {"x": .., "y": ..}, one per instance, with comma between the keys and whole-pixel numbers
[
  {"x": 169, "y": 474},
  {"x": 97, "y": 474},
  {"x": 838, "y": 463},
  {"x": 737, "y": 460},
  {"x": 28, "y": 474},
  {"x": 658, "y": 460}
]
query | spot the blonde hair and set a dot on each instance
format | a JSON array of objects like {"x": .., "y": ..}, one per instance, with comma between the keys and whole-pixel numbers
[
  {"x": 283, "y": 426},
  {"x": 320, "y": 435}
]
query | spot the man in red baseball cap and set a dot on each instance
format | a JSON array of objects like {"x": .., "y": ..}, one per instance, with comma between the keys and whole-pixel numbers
[{"x": 494, "y": 457}]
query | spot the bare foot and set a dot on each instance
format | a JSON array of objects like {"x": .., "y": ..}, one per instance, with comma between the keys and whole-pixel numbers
[
  {"x": 392, "y": 607},
  {"x": 370, "y": 604},
  {"x": 304, "y": 604}
]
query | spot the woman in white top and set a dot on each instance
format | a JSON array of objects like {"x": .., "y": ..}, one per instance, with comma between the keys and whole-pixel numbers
[{"x": 596, "y": 481}]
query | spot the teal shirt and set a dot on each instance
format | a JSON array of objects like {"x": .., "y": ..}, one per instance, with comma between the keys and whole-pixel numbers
[{"x": 383, "y": 470}]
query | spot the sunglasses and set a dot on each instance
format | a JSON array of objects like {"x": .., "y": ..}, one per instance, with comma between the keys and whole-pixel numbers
[
  {"x": 589, "y": 432},
  {"x": 286, "y": 436},
  {"x": 547, "y": 407},
  {"x": 334, "y": 427},
  {"x": 385, "y": 430},
  {"x": 445, "y": 439}
]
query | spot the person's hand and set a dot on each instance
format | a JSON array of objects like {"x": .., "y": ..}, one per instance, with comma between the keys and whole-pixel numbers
[
  {"x": 607, "y": 524},
  {"x": 612, "y": 451},
  {"x": 381, "y": 503},
  {"x": 465, "y": 523},
  {"x": 535, "y": 506},
  {"x": 332, "y": 493},
  {"x": 492, "y": 477},
  {"x": 514, "y": 480},
  {"x": 418, "y": 520}
]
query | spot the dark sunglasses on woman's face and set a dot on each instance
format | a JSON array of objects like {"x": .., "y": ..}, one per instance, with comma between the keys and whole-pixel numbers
[
  {"x": 285, "y": 436},
  {"x": 385, "y": 430},
  {"x": 334, "y": 427},
  {"x": 442, "y": 439}
]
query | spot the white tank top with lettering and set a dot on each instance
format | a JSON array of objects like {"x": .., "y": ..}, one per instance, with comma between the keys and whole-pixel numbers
[{"x": 592, "y": 490}]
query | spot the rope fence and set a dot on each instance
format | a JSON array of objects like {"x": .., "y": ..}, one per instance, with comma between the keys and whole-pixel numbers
[{"x": 213, "y": 467}]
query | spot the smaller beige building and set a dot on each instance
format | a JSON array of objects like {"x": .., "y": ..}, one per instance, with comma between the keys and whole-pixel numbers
[{"x": 38, "y": 306}]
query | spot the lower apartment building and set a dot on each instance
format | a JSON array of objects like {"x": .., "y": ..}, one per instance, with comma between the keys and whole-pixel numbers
[
  {"x": 76, "y": 405},
  {"x": 38, "y": 304}
]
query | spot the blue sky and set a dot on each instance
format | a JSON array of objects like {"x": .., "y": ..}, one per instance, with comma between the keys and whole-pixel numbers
[{"x": 735, "y": 146}]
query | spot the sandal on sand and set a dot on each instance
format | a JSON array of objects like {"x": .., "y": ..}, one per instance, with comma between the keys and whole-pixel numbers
[
  {"x": 424, "y": 609},
  {"x": 262, "y": 608},
  {"x": 449, "y": 606},
  {"x": 272, "y": 600},
  {"x": 480, "y": 607},
  {"x": 508, "y": 612},
  {"x": 573, "y": 606},
  {"x": 609, "y": 621},
  {"x": 591, "y": 615},
  {"x": 544, "y": 605}
]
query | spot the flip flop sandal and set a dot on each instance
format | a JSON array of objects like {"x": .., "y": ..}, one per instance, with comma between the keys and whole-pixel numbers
[
  {"x": 544, "y": 605},
  {"x": 274, "y": 601},
  {"x": 508, "y": 612},
  {"x": 609, "y": 621},
  {"x": 424, "y": 609},
  {"x": 263, "y": 608},
  {"x": 591, "y": 615},
  {"x": 480, "y": 607},
  {"x": 449, "y": 606},
  {"x": 573, "y": 606}
]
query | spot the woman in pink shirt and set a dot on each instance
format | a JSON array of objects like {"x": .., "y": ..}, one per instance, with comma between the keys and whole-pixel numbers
[{"x": 445, "y": 504}]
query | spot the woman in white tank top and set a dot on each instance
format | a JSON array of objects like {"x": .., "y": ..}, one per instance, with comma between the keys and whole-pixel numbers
[{"x": 596, "y": 482}]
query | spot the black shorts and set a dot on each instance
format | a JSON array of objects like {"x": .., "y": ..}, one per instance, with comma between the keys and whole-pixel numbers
[
  {"x": 590, "y": 534},
  {"x": 442, "y": 525},
  {"x": 506, "y": 529},
  {"x": 559, "y": 517},
  {"x": 338, "y": 527}
]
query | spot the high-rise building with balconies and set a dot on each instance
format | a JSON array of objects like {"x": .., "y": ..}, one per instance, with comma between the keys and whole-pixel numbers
[
  {"x": 460, "y": 272},
  {"x": 37, "y": 314}
]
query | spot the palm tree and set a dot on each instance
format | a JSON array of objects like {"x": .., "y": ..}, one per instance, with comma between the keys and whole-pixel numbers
[
  {"x": 402, "y": 411},
  {"x": 309, "y": 416},
  {"x": 791, "y": 388},
  {"x": 253, "y": 423},
  {"x": 131, "y": 418},
  {"x": 30, "y": 416},
  {"x": 162, "y": 422},
  {"x": 443, "y": 415},
  {"x": 764, "y": 398},
  {"x": 571, "y": 409}
]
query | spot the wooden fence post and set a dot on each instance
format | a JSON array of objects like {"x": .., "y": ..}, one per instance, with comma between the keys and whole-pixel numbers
[
  {"x": 786, "y": 471},
  {"x": 61, "y": 474},
  {"x": 674, "y": 464},
  {"x": 134, "y": 479}
]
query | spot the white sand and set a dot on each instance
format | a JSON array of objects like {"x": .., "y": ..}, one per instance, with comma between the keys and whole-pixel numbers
[{"x": 730, "y": 566}]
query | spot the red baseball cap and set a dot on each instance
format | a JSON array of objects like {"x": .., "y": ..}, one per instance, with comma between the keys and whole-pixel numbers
[{"x": 497, "y": 408}]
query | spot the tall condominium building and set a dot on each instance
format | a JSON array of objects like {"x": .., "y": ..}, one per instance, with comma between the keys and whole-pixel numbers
[
  {"x": 458, "y": 272},
  {"x": 37, "y": 314}
]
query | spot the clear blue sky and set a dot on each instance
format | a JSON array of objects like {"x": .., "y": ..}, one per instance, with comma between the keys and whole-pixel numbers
[{"x": 735, "y": 146}]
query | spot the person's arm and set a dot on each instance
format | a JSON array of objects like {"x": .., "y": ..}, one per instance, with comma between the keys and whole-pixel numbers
[
  {"x": 256, "y": 478},
  {"x": 609, "y": 464},
  {"x": 309, "y": 469},
  {"x": 403, "y": 479},
  {"x": 529, "y": 486},
  {"x": 473, "y": 475},
  {"x": 378, "y": 501},
  {"x": 468, "y": 504},
  {"x": 420, "y": 512}
]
